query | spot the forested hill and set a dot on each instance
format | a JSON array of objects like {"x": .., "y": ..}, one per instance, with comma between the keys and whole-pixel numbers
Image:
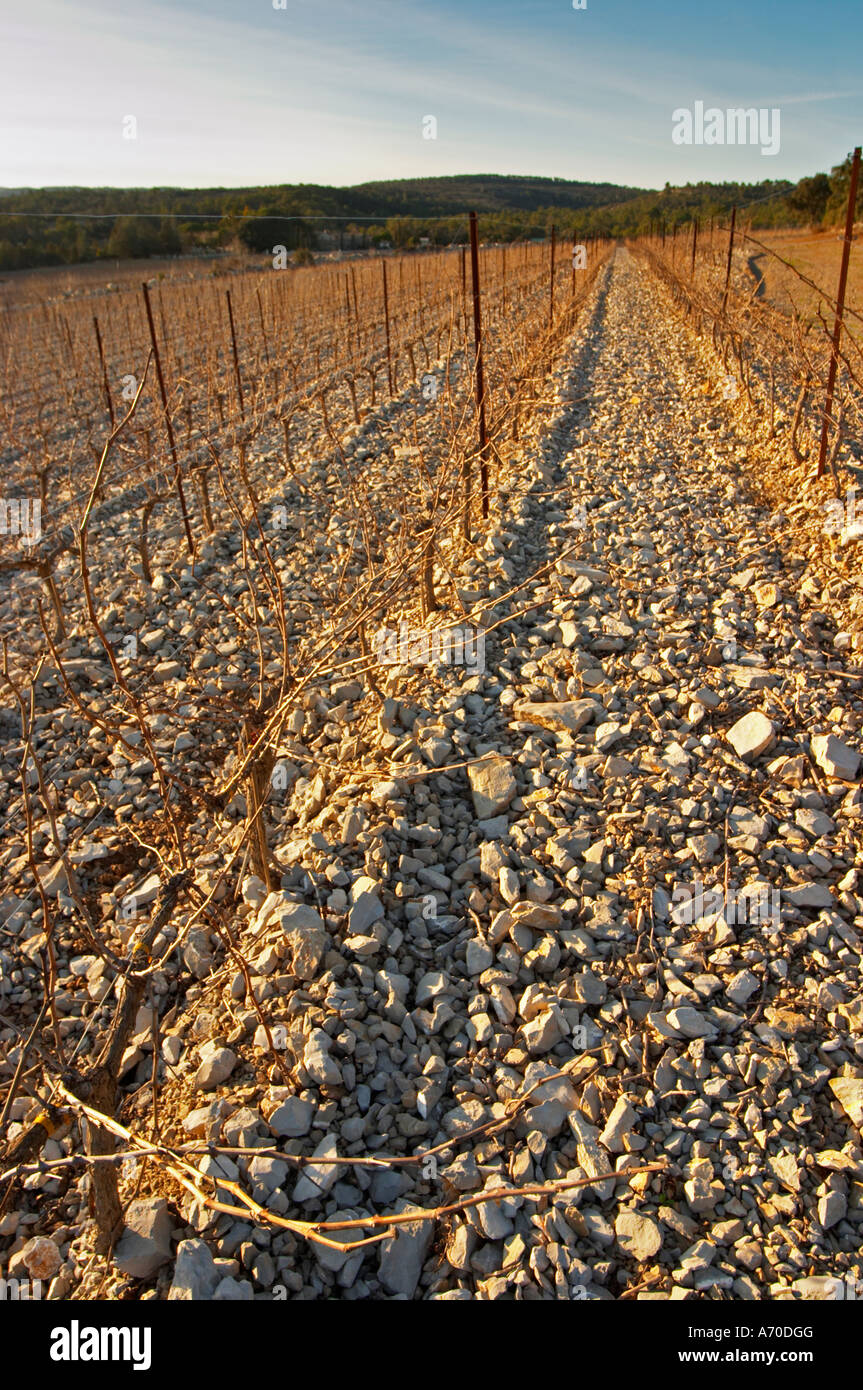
[
  {"x": 428, "y": 197},
  {"x": 442, "y": 197},
  {"x": 56, "y": 226}
]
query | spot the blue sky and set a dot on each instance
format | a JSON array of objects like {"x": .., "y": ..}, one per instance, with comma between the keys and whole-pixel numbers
[{"x": 335, "y": 91}]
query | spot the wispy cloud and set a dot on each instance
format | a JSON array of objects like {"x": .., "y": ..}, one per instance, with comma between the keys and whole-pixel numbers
[
  {"x": 816, "y": 96},
  {"x": 334, "y": 91}
]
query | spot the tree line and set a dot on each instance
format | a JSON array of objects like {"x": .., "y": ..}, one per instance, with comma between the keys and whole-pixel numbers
[{"x": 41, "y": 227}]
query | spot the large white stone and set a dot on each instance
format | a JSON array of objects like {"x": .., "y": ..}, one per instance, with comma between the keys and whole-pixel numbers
[
  {"x": 493, "y": 786},
  {"x": 835, "y": 758},
  {"x": 751, "y": 735}
]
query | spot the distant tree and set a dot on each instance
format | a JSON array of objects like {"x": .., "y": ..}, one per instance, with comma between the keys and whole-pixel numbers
[
  {"x": 139, "y": 236},
  {"x": 811, "y": 197},
  {"x": 11, "y": 256},
  {"x": 270, "y": 227},
  {"x": 840, "y": 181},
  {"x": 400, "y": 231}
]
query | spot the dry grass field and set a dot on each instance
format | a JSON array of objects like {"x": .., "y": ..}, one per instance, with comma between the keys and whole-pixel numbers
[
  {"x": 50, "y": 284},
  {"x": 815, "y": 254}
]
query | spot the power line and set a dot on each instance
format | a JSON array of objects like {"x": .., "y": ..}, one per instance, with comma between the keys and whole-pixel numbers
[{"x": 217, "y": 216}]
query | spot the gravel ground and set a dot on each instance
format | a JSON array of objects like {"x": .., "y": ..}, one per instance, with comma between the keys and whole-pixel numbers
[{"x": 639, "y": 913}]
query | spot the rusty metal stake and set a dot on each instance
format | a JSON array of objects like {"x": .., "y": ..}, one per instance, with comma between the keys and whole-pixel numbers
[
  {"x": 356, "y": 310},
  {"x": 178, "y": 481},
  {"x": 263, "y": 329},
  {"x": 728, "y": 265},
  {"x": 108, "y": 400},
  {"x": 840, "y": 306},
  {"x": 551, "y": 280},
  {"x": 480, "y": 379},
  {"x": 236, "y": 359},
  {"x": 387, "y": 328}
]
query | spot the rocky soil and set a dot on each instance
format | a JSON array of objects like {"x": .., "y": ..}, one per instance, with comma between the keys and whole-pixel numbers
[{"x": 613, "y": 875}]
